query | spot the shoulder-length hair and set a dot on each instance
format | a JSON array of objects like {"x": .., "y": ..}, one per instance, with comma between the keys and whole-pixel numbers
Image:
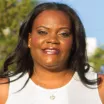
[{"x": 21, "y": 56}]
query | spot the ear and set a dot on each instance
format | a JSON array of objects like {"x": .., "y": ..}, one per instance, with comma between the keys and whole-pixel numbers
[{"x": 29, "y": 40}]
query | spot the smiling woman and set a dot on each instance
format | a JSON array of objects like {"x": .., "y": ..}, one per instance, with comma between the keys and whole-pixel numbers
[
  {"x": 51, "y": 61},
  {"x": 50, "y": 40}
]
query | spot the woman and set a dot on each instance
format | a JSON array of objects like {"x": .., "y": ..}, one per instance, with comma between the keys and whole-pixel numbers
[{"x": 51, "y": 62}]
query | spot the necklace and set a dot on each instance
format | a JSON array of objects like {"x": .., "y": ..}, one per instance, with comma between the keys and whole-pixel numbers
[{"x": 52, "y": 95}]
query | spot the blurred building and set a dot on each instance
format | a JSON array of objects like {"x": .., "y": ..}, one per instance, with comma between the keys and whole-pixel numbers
[{"x": 91, "y": 45}]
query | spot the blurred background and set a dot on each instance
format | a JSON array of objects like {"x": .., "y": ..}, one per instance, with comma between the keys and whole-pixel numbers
[{"x": 13, "y": 12}]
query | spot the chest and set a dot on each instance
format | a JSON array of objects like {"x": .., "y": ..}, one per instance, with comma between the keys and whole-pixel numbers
[{"x": 75, "y": 93}]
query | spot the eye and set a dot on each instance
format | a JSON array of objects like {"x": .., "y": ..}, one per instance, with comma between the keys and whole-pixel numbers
[
  {"x": 65, "y": 34},
  {"x": 41, "y": 32}
]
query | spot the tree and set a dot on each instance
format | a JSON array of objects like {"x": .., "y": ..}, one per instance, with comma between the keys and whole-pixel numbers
[
  {"x": 97, "y": 59},
  {"x": 12, "y": 13}
]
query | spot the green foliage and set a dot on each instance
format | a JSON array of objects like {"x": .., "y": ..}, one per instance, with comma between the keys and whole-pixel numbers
[
  {"x": 97, "y": 59},
  {"x": 12, "y": 13}
]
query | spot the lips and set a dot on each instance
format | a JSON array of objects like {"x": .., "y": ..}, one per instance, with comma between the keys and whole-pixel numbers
[{"x": 51, "y": 51}]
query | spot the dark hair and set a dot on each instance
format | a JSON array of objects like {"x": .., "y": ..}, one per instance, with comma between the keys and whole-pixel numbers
[{"x": 21, "y": 56}]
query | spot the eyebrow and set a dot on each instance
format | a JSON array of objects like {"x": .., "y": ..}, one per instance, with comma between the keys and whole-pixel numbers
[
  {"x": 64, "y": 27},
  {"x": 43, "y": 27}
]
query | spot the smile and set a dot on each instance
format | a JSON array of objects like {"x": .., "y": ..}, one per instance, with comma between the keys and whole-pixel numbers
[{"x": 51, "y": 51}]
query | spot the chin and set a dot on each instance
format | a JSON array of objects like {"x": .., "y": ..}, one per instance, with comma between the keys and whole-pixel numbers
[{"x": 53, "y": 67}]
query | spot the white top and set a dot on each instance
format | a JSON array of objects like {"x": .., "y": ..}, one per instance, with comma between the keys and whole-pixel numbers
[{"x": 74, "y": 92}]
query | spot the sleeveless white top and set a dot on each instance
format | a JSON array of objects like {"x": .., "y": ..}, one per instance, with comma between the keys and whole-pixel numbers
[{"x": 74, "y": 92}]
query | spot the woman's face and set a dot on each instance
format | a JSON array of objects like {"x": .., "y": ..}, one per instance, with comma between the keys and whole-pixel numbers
[{"x": 50, "y": 40}]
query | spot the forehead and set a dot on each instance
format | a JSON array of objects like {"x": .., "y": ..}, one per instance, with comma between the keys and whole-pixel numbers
[{"x": 52, "y": 17}]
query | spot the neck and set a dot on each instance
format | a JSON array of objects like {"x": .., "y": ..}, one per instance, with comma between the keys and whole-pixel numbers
[{"x": 49, "y": 79}]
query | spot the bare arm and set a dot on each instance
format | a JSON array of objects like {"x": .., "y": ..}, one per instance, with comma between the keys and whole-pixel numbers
[
  {"x": 3, "y": 91},
  {"x": 101, "y": 88}
]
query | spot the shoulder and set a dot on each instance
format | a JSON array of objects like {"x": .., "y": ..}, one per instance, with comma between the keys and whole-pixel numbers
[
  {"x": 101, "y": 87},
  {"x": 15, "y": 85},
  {"x": 3, "y": 91}
]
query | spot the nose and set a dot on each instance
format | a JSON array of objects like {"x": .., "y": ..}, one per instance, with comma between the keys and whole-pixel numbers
[{"x": 53, "y": 39}]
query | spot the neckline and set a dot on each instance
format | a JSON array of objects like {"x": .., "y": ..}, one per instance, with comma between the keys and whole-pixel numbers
[{"x": 53, "y": 89}]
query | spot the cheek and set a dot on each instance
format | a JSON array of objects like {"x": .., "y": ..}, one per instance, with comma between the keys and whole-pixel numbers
[
  {"x": 34, "y": 41},
  {"x": 68, "y": 44}
]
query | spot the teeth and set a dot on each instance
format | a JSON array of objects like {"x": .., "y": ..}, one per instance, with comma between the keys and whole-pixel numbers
[{"x": 50, "y": 51}]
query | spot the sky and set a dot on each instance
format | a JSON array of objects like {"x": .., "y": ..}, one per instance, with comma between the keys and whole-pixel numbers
[{"x": 91, "y": 13}]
